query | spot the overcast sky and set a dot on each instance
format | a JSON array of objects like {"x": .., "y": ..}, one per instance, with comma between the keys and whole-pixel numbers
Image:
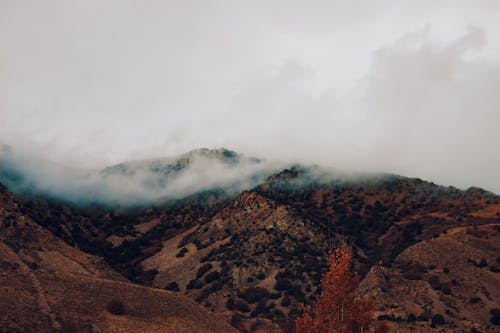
[{"x": 410, "y": 87}]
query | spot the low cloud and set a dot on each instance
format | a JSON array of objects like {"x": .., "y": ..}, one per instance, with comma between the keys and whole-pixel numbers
[
  {"x": 135, "y": 183},
  {"x": 407, "y": 88}
]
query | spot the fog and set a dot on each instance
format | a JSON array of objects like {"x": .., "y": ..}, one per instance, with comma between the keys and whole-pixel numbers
[
  {"x": 135, "y": 183},
  {"x": 387, "y": 86}
]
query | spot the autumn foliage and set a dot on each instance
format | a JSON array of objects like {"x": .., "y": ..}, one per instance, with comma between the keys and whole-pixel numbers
[{"x": 338, "y": 310}]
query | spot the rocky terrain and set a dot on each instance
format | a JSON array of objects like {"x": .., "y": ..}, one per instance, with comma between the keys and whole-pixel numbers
[
  {"x": 429, "y": 255},
  {"x": 49, "y": 286}
]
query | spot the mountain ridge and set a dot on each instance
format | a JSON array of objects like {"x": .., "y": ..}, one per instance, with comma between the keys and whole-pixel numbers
[{"x": 254, "y": 257}]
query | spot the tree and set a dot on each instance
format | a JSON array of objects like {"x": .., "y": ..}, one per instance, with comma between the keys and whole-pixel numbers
[{"x": 338, "y": 310}]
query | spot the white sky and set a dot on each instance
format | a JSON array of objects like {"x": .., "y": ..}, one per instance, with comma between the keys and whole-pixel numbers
[{"x": 411, "y": 87}]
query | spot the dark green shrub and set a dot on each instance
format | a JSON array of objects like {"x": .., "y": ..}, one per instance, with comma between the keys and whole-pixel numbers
[
  {"x": 212, "y": 276},
  {"x": 286, "y": 301},
  {"x": 241, "y": 306},
  {"x": 182, "y": 252},
  {"x": 411, "y": 318},
  {"x": 173, "y": 286},
  {"x": 495, "y": 317},
  {"x": 203, "y": 269},
  {"x": 495, "y": 268},
  {"x": 474, "y": 300},
  {"x": 437, "y": 320},
  {"x": 254, "y": 294},
  {"x": 116, "y": 307},
  {"x": 194, "y": 284},
  {"x": 282, "y": 284}
]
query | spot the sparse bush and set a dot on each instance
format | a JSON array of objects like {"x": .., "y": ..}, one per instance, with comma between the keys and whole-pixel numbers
[
  {"x": 286, "y": 301},
  {"x": 411, "y": 318},
  {"x": 212, "y": 276},
  {"x": 482, "y": 263},
  {"x": 254, "y": 294},
  {"x": 274, "y": 295},
  {"x": 230, "y": 304},
  {"x": 116, "y": 307},
  {"x": 282, "y": 284},
  {"x": 237, "y": 321},
  {"x": 437, "y": 320},
  {"x": 446, "y": 289},
  {"x": 194, "y": 284},
  {"x": 173, "y": 286},
  {"x": 474, "y": 300},
  {"x": 182, "y": 252},
  {"x": 495, "y": 268},
  {"x": 225, "y": 267},
  {"x": 241, "y": 306},
  {"x": 495, "y": 317},
  {"x": 434, "y": 282},
  {"x": 203, "y": 269}
]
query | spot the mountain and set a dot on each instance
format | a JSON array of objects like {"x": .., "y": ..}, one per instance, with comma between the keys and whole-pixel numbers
[
  {"x": 49, "y": 286},
  {"x": 427, "y": 254},
  {"x": 136, "y": 183}
]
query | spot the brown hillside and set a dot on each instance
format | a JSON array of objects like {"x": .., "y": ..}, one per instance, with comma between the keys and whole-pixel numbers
[
  {"x": 255, "y": 258},
  {"x": 48, "y": 286}
]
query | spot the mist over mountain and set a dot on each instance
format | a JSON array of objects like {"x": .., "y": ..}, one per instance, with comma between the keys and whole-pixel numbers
[
  {"x": 135, "y": 183},
  {"x": 345, "y": 141},
  {"x": 246, "y": 239}
]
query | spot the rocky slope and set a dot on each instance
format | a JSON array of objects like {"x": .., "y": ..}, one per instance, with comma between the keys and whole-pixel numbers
[
  {"x": 49, "y": 286},
  {"x": 428, "y": 254}
]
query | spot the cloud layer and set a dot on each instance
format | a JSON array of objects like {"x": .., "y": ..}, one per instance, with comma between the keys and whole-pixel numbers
[
  {"x": 376, "y": 86},
  {"x": 136, "y": 183}
]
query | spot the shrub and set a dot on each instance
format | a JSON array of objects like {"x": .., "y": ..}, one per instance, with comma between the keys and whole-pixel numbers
[
  {"x": 495, "y": 268},
  {"x": 115, "y": 307},
  {"x": 495, "y": 317},
  {"x": 437, "y": 319},
  {"x": 411, "y": 318},
  {"x": 241, "y": 306},
  {"x": 212, "y": 276},
  {"x": 254, "y": 294},
  {"x": 182, "y": 252},
  {"x": 282, "y": 284},
  {"x": 286, "y": 301},
  {"x": 225, "y": 267},
  {"x": 173, "y": 286},
  {"x": 194, "y": 284},
  {"x": 274, "y": 295},
  {"x": 203, "y": 269},
  {"x": 434, "y": 282},
  {"x": 446, "y": 289},
  {"x": 474, "y": 300}
]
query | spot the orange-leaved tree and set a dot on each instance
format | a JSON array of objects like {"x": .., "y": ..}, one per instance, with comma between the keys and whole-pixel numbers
[{"x": 338, "y": 310}]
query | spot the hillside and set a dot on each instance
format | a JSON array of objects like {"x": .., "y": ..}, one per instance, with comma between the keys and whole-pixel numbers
[
  {"x": 48, "y": 286},
  {"x": 425, "y": 252},
  {"x": 134, "y": 184}
]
